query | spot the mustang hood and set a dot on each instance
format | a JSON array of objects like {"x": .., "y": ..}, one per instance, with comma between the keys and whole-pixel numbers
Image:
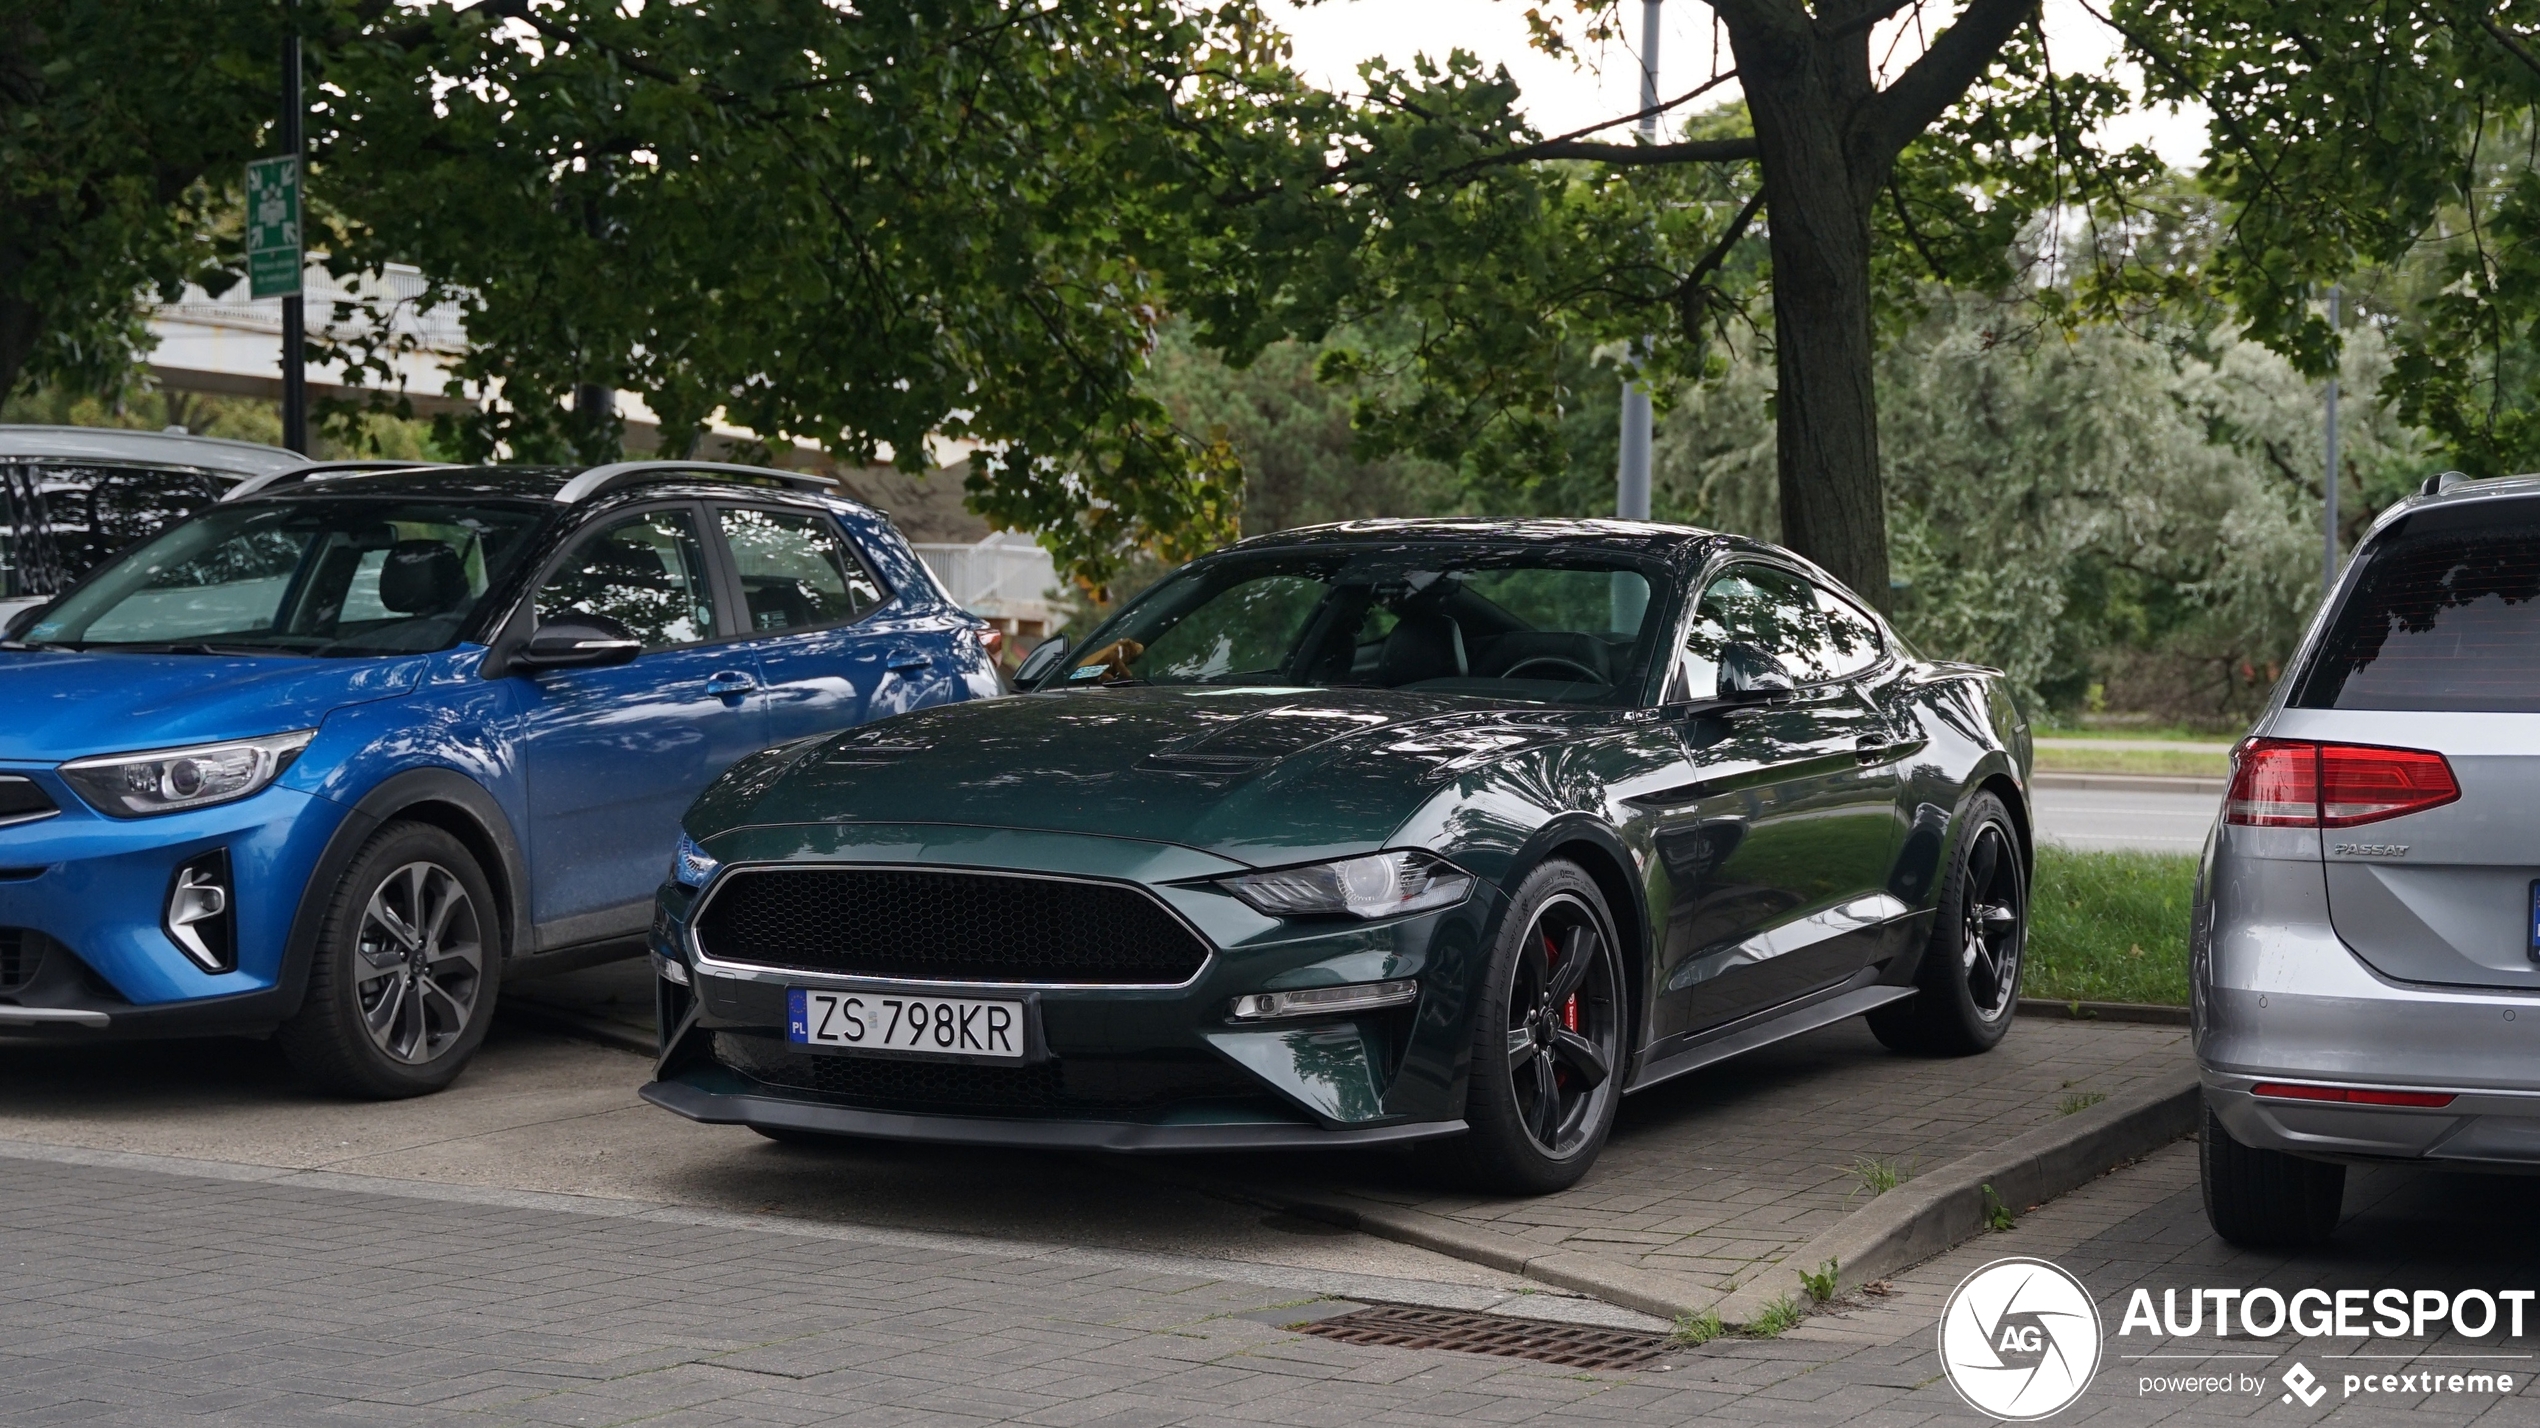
[
  {"x": 1255, "y": 775},
  {"x": 57, "y": 705}
]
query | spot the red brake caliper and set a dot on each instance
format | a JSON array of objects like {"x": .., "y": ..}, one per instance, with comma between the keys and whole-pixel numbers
[{"x": 1570, "y": 1008}]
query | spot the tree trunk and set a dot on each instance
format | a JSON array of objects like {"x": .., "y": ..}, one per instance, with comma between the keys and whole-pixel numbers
[
  {"x": 1802, "y": 89},
  {"x": 20, "y": 324}
]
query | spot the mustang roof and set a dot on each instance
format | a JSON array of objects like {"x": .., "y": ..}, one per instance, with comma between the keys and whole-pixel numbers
[{"x": 1648, "y": 536}]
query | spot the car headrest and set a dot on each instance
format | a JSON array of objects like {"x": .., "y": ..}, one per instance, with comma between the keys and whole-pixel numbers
[
  {"x": 422, "y": 577},
  {"x": 1425, "y": 646}
]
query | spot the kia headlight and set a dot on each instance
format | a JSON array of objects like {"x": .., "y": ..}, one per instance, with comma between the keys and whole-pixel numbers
[
  {"x": 691, "y": 866},
  {"x": 172, "y": 780},
  {"x": 1378, "y": 885}
]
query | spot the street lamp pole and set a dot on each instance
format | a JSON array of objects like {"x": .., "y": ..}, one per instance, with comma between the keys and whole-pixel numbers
[
  {"x": 2328, "y": 477},
  {"x": 295, "y": 383},
  {"x": 1631, "y": 474}
]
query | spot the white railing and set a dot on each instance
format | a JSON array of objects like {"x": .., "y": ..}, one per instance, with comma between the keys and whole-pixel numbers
[{"x": 1005, "y": 577}]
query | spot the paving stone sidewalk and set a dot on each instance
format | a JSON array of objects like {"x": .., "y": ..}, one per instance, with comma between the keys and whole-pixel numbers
[
  {"x": 144, "y": 1297},
  {"x": 1730, "y": 1169},
  {"x": 1725, "y": 1171}
]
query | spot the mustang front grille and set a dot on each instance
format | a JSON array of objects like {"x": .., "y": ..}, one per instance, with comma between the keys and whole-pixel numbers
[{"x": 947, "y": 926}]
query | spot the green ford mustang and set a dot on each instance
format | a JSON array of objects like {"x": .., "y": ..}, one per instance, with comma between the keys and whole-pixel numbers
[{"x": 1441, "y": 831}]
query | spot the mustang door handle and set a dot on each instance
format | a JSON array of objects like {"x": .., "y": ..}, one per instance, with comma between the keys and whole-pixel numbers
[
  {"x": 906, "y": 658},
  {"x": 729, "y": 684},
  {"x": 1874, "y": 747}
]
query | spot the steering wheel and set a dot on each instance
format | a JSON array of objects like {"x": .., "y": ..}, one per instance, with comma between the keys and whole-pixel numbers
[{"x": 1555, "y": 661}]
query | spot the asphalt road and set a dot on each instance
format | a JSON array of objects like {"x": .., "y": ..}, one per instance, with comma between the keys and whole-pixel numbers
[{"x": 2097, "y": 820}]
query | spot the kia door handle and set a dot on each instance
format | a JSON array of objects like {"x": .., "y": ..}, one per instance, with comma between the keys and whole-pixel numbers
[
  {"x": 729, "y": 684},
  {"x": 904, "y": 660}
]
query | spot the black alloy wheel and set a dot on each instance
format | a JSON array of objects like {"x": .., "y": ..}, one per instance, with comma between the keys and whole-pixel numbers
[
  {"x": 1968, "y": 985},
  {"x": 401, "y": 986},
  {"x": 1548, "y": 1053}
]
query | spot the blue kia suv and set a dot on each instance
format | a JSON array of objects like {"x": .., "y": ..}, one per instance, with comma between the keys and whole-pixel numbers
[{"x": 329, "y": 759}]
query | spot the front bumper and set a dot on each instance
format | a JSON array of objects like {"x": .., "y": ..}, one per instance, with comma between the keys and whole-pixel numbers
[
  {"x": 81, "y": 896},
  {"x": 751, "y": 1105},
  {"x": 1113, "y": 1067}
]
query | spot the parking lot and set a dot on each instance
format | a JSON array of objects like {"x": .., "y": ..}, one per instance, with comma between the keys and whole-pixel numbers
[{"x": 533, "y": 1248}]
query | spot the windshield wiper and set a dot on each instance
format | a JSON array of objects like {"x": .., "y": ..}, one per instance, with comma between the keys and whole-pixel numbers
[{"x": 191, "y": 647}]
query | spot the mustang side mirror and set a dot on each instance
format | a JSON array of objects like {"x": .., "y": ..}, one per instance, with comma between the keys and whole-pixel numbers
[
  {"x": 1750, "y": 676},
  {"x": 577, "y": 642},
  {"x": 1043, "y": 658}
]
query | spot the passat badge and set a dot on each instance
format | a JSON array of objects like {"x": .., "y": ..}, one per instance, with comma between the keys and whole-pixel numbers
[{"x": 2019, "y": 1339}]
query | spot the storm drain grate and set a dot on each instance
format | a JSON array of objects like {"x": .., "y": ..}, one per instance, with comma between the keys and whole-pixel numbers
[{"x": 1401, "y": 1326}]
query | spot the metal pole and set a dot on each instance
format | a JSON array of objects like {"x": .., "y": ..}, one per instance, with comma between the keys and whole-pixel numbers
[
  {"x": 1631, "y": 475},
  {"x": 2328, "y": 477},
  {"x": 295, "y": 381}
]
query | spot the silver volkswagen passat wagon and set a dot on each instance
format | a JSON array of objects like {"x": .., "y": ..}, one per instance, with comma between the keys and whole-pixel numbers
[{"x": 2366, "y": 946}]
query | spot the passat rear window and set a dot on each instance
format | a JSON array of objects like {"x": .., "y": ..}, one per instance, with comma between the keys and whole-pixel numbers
[{"x": 2444, "y": 614}]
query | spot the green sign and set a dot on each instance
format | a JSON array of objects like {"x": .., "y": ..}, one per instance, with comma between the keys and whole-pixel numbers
[{"x": 273, "y": 228}]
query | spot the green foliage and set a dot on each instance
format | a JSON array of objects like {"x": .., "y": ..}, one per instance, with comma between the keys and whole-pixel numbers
[
  {"x": 2389, "y": 147},
  {"x": 2078, "y": 1102},
  {"x": 1820, "y": 1282},
  {"x": 1997, "y": 1216},
  {"x": 123, "y": 126},
  {"x": 2110, "y": 927},
  {"x": 1695, "y": 1330},
  {"x": 868, "y": 229},
  {"x": 1875, "y": 1175},
  {"x": 1776, "y": 1318}
]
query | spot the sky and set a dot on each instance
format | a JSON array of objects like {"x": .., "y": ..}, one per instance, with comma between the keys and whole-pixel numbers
[{"x": 1334, "y": 36}]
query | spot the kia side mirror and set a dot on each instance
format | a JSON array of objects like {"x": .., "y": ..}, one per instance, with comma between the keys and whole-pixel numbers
[
  {"x": 577, "y": 642},
  {"x": 1043, "y": 658},
  {"x": 1748, "y": 675}
]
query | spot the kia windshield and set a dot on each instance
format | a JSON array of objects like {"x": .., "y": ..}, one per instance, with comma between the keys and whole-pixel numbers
[
  {"x": 326, "y": 577},
  {"x": 1536, "y": 625}
]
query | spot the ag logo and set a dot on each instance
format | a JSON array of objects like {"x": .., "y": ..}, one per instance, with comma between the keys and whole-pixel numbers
[{"x": 2019, "y": 1339}]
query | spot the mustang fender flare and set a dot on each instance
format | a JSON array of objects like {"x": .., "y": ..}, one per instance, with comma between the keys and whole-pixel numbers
[
  {"x": 1632, "y": 912},
  {"x": 393, "y": 796}
]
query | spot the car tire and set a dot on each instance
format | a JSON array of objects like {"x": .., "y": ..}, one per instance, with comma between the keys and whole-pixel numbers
[
  {"x": 2265, "y": 1199},
  {"x": 1967, "y": 987},
  {"x": 398, "y": 999},
  {"x": 1538, "y": 1112}
]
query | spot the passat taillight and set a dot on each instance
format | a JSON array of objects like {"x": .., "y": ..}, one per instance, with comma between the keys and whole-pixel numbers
[
  {"x": 2295, "y": 783},
  {"x": 2351, "y": 1095}
]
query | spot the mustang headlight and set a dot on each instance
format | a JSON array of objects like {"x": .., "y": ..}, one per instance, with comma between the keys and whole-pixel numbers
[
  {"x": 691, "y": 866},
  {"x": 1378, "y": 885},
  {"x": 171, "y": 780}
]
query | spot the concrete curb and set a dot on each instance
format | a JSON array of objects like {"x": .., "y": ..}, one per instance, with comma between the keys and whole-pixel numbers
[
  {"x": 2129, "y": 783},
  {"x": 1907, "y": 1225},
  {"x": 1953, "y": 1203},
  {"x": 2105, "y": 1011}
]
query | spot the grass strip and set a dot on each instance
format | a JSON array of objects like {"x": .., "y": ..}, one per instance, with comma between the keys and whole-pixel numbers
[
  {"x": 2110, "y": 927},
  {"x": 2165, "y": 763}
]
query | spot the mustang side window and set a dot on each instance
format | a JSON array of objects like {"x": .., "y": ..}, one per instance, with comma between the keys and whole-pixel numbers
[
  {"x": 646, "y": 572},
  {"x": 796, "y": 572},
  {"x": 1849, "y": 639},
  {"x": 1760, "y": 606}
]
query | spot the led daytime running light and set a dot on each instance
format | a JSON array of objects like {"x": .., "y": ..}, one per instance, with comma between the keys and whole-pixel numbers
[
  {"x": 1324, "y": 1001},
  {"x": 1378, "y": 885}
]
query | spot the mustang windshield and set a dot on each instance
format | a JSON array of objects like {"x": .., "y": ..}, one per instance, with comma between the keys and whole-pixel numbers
[
  {"x": 340, "y": 577},
  {"x": 1536, "y": 625}
]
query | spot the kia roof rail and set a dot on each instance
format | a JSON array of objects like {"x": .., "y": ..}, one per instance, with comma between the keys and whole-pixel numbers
[
  {"x": 600, "y": 478},
  {"x": 321, "y": 470}
]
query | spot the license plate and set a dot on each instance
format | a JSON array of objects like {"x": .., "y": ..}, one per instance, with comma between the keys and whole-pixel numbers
[{"x": 940, "y": 1026}]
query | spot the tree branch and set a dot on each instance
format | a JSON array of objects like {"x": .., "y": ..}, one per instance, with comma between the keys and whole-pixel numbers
[
  {"x": 1897, "y": 114},
  {"x": 1696, "y": 151},
  {"x": 2513, "y": 44}
]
